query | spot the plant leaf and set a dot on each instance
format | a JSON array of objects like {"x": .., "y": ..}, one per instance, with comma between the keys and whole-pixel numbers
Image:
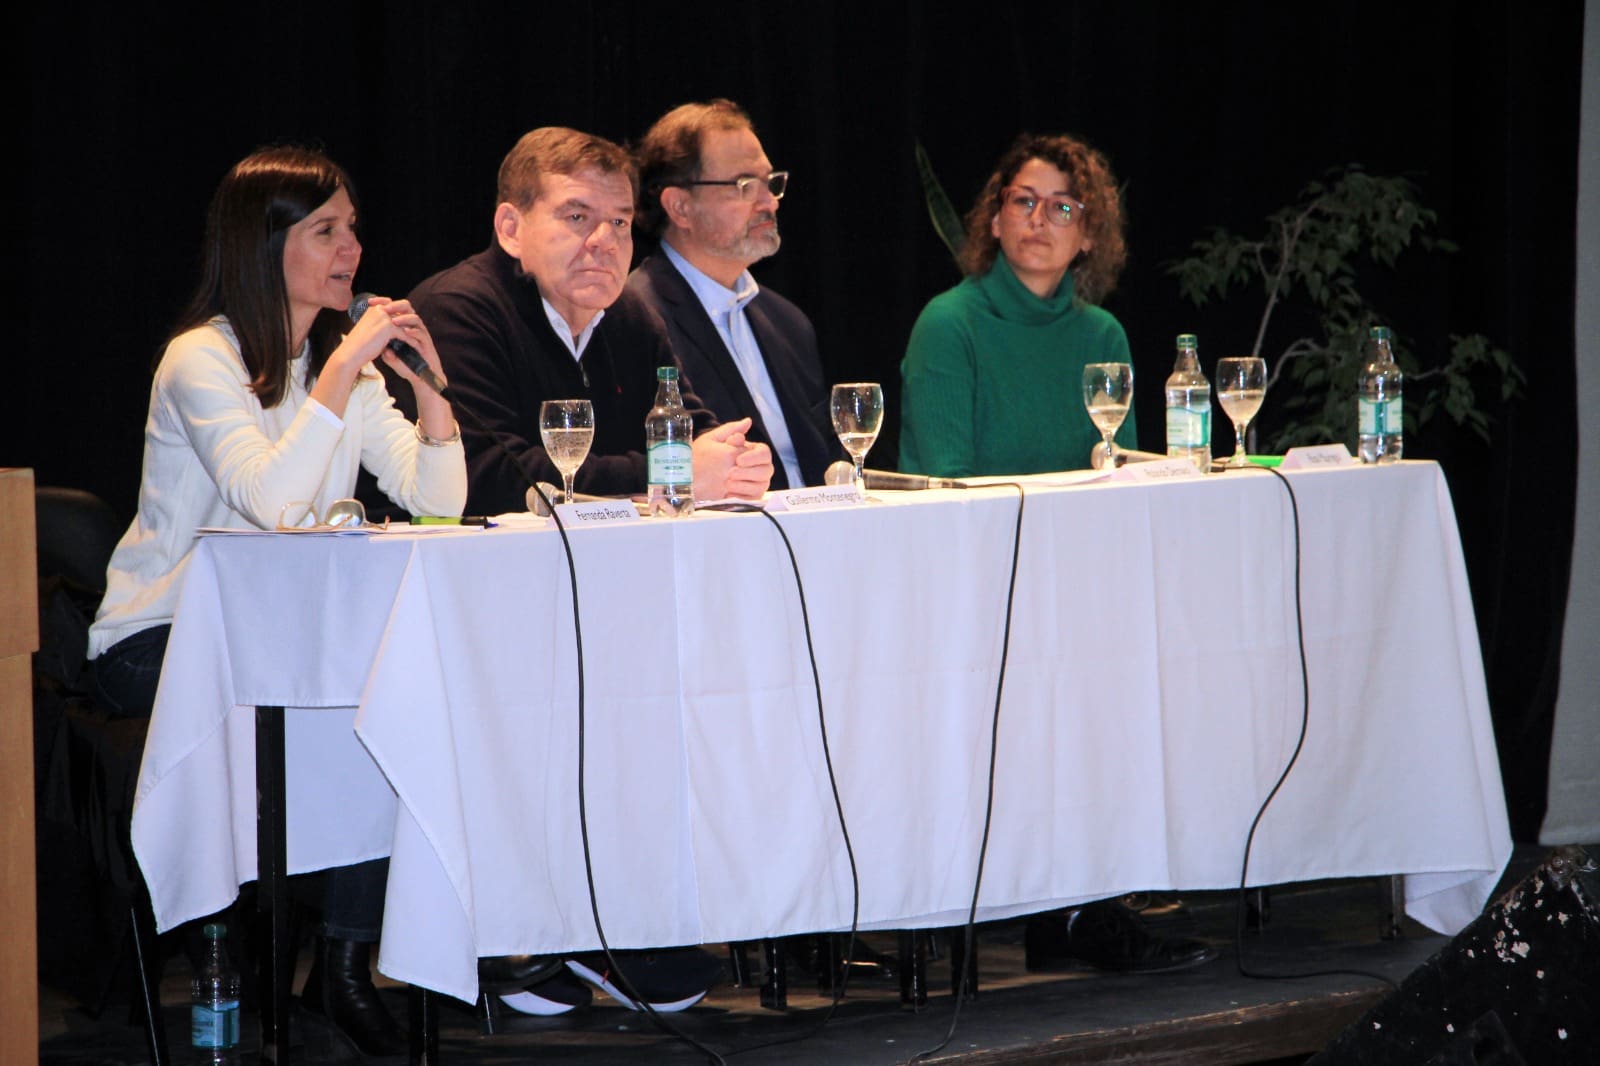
[{"x": 946, "y": 220}]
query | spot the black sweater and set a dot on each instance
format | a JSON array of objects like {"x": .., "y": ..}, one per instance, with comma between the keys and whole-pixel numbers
[{"x": 503, "y": 360}]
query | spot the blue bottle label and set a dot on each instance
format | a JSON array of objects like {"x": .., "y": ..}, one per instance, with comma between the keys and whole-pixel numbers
[{"x": 214, "y": 1026}]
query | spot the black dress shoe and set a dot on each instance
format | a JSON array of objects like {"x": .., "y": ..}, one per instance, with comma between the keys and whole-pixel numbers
[
  {"x": 508, "y": 973},
  {"x": 1108, "y": 936},
  {"x": 348, "y": 1018}
]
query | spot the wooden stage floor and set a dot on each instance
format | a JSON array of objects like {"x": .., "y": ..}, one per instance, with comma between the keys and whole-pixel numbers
[{"x": 1208, "y": 1015}]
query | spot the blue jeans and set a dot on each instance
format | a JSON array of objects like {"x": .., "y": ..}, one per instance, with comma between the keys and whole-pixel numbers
[
  {"x": 126, "y": 674},
  {"x": 125, "y": 679},
  {"x": 352, "y": 901}
]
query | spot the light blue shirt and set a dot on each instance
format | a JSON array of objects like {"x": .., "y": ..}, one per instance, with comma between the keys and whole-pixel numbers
[
  {"x": 564, "y": 331},
  {"x": 726, "y": 308}
]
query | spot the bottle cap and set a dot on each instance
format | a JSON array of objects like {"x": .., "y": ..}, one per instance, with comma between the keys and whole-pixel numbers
[
  {"x": 667, "y": 373},
  {"x": 215, "y": 931},
  {"x": 1378, "y": 333},
  {"x": 1188, "y": 340}
]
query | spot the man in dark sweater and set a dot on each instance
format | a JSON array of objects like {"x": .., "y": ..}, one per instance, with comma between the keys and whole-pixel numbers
[
  {"x": 541, "y": 315},
  {"x": 711, "y": 197}
]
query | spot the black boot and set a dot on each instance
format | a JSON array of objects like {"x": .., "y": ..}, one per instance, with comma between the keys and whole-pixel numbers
[{"x": 339, "y": 992}]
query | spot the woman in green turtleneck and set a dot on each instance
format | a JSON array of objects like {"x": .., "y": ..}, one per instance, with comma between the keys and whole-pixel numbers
[{"x": 993, "y": 374}]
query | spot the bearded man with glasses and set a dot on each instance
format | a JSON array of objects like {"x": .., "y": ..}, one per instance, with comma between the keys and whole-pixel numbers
[
  {"x": 993, "y": 372},
  {"x": 710, "y": 196}
]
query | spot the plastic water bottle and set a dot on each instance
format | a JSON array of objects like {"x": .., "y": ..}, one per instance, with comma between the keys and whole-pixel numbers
[
  {"x": 1189, "y": 407},
  {"x": 214, "y": 1014},
  {"x": 1378, "y": 408},
  {"x": 669, "y": 455}
]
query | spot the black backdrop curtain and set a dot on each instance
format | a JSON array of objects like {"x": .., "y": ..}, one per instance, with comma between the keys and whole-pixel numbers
[{"x": 1212, "y": 114}]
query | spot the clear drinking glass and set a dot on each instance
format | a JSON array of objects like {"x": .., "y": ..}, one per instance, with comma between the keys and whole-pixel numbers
[
  {"x": 1241, "y": 386},
  {"x": 1107, "y": 392},
  {"x": 857, "y": 409},
  {"x": 567, "y": 429}
]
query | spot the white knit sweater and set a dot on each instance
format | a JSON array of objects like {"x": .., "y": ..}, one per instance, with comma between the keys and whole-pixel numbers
[{"x": 213, "y": 456}]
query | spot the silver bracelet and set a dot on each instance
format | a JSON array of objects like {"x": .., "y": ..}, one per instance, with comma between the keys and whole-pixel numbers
[{"x": 431, "y": 442}]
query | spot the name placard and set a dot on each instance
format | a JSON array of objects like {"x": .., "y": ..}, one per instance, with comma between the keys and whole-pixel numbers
[
  {"x": 597, "y": 512},
  {"x": 814, "y": 498},
  {"x": 1156, "y": 470},
  {"x": 1313, "y": 456}
]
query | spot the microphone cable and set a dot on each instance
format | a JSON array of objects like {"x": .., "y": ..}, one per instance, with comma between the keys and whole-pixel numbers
[
  {"x": 1305, "y": 719},
  {"x": 615, "y": 972},
  {"x": 842, "y": 983},
  {"x": 968, "y": 931}
]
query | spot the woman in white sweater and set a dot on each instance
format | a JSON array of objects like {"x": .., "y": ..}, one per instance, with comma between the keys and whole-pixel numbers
[{"x": 265, "y": 406}]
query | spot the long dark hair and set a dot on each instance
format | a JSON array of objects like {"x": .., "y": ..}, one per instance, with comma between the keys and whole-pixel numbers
[
  {"x": 241, "y": 274},
  {"x": 1094, "y": 272}
]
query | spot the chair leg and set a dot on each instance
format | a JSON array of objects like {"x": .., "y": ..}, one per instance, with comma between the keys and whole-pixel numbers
[
  {"x": 830, "y": 963},
  {"x": 913, "y": 970},
  {"x": 775, "y": 990},
  {"x": 1393, "y": 913},
  {"x": 422, "y": 1011},
  {"x": 488, "y": 1013},
  {"x": 147, "y": 959},
  {"x": 1258, "y": 909},
  {"x": 739, "y": 960},
  {"x": 959, "y": 956}
]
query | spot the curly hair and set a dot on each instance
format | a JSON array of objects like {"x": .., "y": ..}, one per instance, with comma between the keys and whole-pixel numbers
[
  {"x": 1095, "y": 271},
  {"x": 670, "y": 153}
]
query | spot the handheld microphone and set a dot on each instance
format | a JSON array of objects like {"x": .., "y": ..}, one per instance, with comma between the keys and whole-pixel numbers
[
  {"x": 403, "y": 351},
  {"x": 541, "y": 491},
  {"x": 1122, "y": 456},
  {"x": 843, "y": 473}
]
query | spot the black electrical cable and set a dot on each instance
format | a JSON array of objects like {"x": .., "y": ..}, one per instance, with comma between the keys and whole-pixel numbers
[
  {"x": 616, "y": 972},
  {"x": 1305, "y": 720},
  {"x": 833, "y": 783},
  {"x": 583, "y": 821},
  {"x": 968, "y": 930}
]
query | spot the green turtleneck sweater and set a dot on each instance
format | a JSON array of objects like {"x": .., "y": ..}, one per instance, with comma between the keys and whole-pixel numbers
[{"x": 993, "y": 379}]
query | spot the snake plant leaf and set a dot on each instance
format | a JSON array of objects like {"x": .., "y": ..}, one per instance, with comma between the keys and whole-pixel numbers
[{"x": 946, "y": 220}]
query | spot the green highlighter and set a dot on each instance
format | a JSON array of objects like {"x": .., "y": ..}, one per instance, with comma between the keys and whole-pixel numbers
[{"x": 463, "y": 520}]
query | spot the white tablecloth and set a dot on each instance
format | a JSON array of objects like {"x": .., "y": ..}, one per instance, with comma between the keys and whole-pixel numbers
[{"x": 1152, "y": 697}]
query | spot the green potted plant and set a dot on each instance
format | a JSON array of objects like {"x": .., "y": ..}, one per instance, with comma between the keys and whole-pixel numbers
[{"x": 1311, "y": 256}]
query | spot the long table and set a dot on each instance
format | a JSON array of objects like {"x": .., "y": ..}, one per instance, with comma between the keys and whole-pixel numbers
[{"x": 1152, "y": 696}]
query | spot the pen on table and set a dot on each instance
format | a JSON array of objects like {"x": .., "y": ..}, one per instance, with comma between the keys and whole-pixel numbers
[{"x": 463, "y": 520}]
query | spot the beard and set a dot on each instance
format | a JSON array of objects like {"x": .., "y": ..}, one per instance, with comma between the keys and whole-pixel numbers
[{"x": 748, "y": 245}]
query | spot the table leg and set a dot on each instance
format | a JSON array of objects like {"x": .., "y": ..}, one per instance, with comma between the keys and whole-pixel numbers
[{"x": 272, "y": 887}]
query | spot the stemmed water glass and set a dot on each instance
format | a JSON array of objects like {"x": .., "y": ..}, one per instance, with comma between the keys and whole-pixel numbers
[
  {"x": 567, "y": 429},
  {"x": 1107, "y": 392},
  {"x": 857, "y": 409},
  {"x": 1241, "y": 386}
]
